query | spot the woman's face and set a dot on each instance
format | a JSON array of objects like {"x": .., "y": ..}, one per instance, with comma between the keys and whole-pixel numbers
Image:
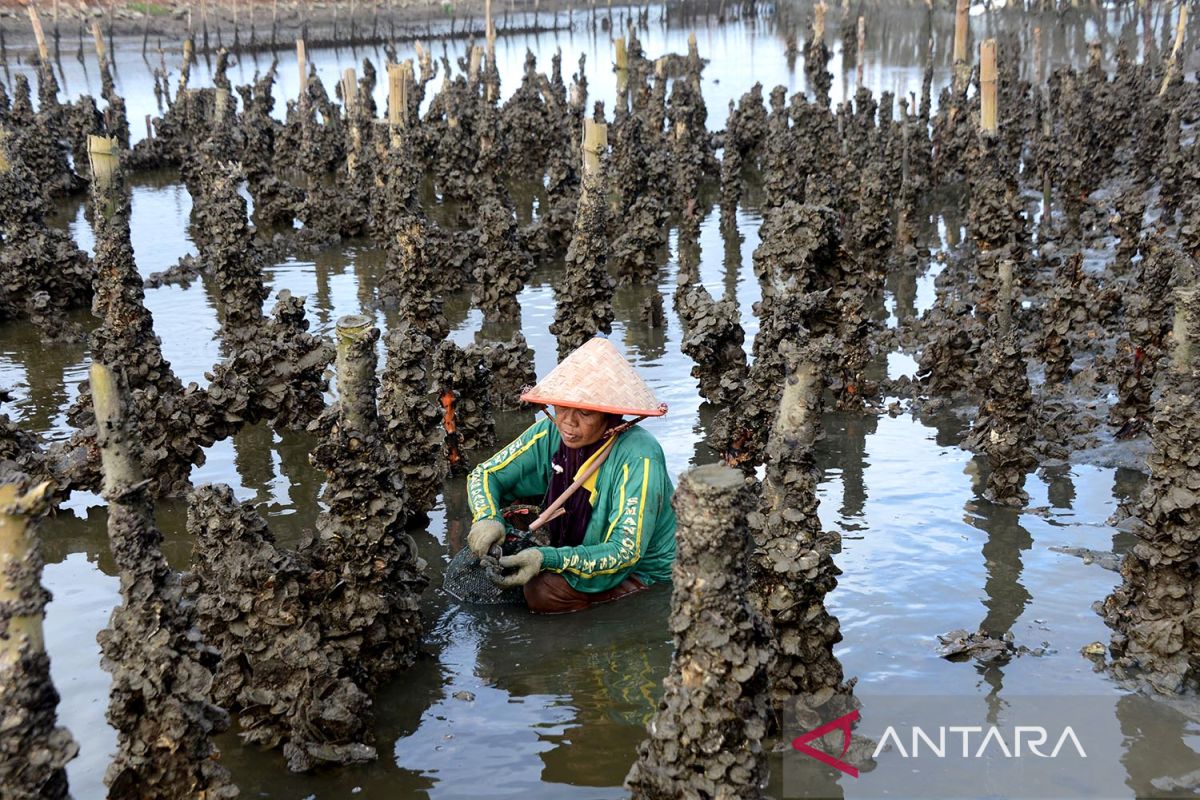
[{"x": 578, "y": 427}]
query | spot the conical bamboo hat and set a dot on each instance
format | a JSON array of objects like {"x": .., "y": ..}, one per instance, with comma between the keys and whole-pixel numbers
[{"x": 596, "y": 377}]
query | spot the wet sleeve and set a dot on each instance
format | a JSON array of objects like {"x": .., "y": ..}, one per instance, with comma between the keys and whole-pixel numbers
[
  {"x": 626, "y": 535},
  {"x": 519, "y": 470}
]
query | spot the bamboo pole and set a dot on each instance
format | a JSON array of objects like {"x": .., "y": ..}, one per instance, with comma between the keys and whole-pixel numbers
[
  {"x": 1173, "y": 59},
  {"x": 398, "y": 80},
  {"x": 962, "y": 27},
  {"x": 36, "y": 21},
  {"x": 220, "y": 104},
  {"x": 25, "y": 633},
  {"x": 98, "y": 39},
  {"x": 474, "y": 64},
  {"x": 988, "y": 117},
  {"x": 622, "y": 55},
  {"x": 102, "y": 158},
  {"x": 349, "y": 89},
  {"x": 1181, "y": 331},
  {"x": 302, "y": 65},
  {"x": 121, "y": 470},
  {"x": 862, "y": 47},
  {"x": 1004, "y": 295},
  {"x": 490, "y": 29},
  {"x": 595, "y": 142},
  {"x": 818, "y": 27},
  {"x": 355, "y": 372}
]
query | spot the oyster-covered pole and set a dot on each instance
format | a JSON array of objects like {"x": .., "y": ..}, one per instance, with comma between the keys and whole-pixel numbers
[
  {"x": 33, "y": 751},
  {"x": 583, "y": 294},
  {"x": 1153, "y": 611},
  {"x": 706, "y": 738},
  {"x": 161, "y": 671},
  {"x": 793, "y": 567}
]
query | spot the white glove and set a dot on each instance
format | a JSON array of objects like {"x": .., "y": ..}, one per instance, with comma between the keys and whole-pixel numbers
[{"x": 484, "y": 534}]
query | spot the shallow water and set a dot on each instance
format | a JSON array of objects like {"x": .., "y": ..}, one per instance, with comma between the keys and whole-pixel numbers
[{"x": 557, "y": 707}]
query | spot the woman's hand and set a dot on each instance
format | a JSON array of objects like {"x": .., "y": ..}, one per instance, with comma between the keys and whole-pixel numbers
[
  {"x": 484, "y": 534},
  {"x": 528, "y": 563}
]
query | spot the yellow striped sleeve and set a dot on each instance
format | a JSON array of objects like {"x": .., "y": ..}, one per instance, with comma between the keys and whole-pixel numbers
[{"x": 479, "y": 492}]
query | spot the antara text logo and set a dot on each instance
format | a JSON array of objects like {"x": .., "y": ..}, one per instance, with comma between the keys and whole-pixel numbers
[
  {"x": 980, "y": 742},
  {"x": 965, "y": 741}
]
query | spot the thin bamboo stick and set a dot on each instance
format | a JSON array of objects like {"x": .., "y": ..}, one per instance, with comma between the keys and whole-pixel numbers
[{"x": 988, "y": 119}]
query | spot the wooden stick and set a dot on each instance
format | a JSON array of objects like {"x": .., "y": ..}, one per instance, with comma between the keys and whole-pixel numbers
[
  {"x": 98, "y": 38},
  {"x": 818, "y": 26},
  {"x": 1173, "y": 60},
  {"x": 39, "y": 34},
  {"x": 1004, "y": 295},
  {"x": 302, "y": 64},
  {"x": 555, "y": 509},
  {"x": 25, "y": 634},
  {"x": 1181, "y": 330},
  {"x": 988, "y": 119},
  {"x": 962, "y": 27},
  {"x": 490, "y": 29},
  {"x": 622, "y": 55},
  {"x": 349, "y": 89},
  {"x": 220, "y": 104},
  {"x": 355, "y": 373},
  {"x": 102, "y": 158},
  {"x": 595, "y": 142},
  {"x": 121, "y": 470},
  {"x": 862, "y": 47}
]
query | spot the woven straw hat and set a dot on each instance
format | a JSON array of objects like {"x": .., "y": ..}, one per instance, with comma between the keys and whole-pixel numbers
[{"x": 598, "y": 378}]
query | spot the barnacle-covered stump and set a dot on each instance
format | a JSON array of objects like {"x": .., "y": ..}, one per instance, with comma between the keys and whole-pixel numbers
[
  {"x": 713, "y": 338},
  {"x": 411, "y": 416},
  {"x": 35, "y": 259},
  {"x": 374, "y": 613},
  {"x": 463, "y": 385},
  {"x": 705, "y": 740},
  {"x": 1004, "y": 430},
  {"x": 1154, "y": 610},
  {"x": 792, "y": 569},
  {"x": 511, "y": 366},
  {"x": 583, "y": 292},
  {"x": 33, "y": 751},
  {"x": 262, "y": 607},
  {"x": 162, "y": 672}
]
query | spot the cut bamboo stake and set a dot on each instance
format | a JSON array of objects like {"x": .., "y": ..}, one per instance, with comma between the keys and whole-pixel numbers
[
  {"x": 355, "y": 373},
  {"x": 102, "y": 158},
  {"x": 36, "y": 21},
  {"x": 818, "y": 27},
  {"x": 962, "y": 22},
  {"x": 98, "y": 38},
  {"x": 1004, "y": 295},
  {"x": 349, "y": 89},
  {"x": 474, "y": 64},
  {"x": 862, "y": 47},
  {"x": 220, "y": 104},
  {"x": 988, "y": 118},
  {"x": 17, "y": 541},
  {"x": 1173, "y": 59},
  {"x": 302, "y": 64},
  {"x": 398, "y": 80},
  {"x": 490, "y": 29},
  {"x": 1181, "y": 355},
  {"x": 595, "y": 142},
  {"x": 622, "y": 56},
  {"x": 120, "y": 468}
]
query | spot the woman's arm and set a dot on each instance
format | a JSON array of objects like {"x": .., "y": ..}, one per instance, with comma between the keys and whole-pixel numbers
[{"x": 519, "y": 470}]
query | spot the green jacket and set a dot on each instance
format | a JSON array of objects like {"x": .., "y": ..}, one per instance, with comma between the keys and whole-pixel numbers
[{"x": 632, "y": 528}]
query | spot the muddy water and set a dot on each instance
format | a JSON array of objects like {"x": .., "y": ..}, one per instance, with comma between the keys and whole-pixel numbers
[{"x": 504, "y": 704}]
